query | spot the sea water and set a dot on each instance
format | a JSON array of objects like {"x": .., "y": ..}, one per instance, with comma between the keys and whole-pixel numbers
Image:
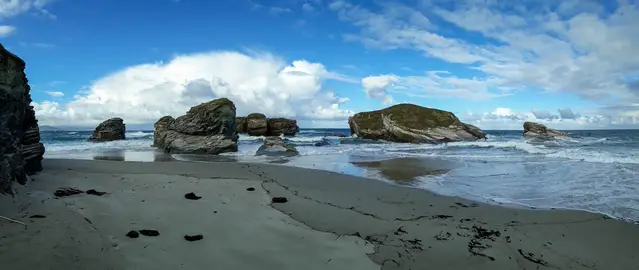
[{"x": 596, "y": 171}]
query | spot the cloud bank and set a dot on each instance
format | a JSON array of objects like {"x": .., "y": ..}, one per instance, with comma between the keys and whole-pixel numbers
[{"x": 258, "y": 82}]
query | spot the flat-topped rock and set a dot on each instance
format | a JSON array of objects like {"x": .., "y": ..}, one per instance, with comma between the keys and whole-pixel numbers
[
  {"x": 257, "y": 124},
  {"x": 412, "y": 124},
  {"x": 282, "y": 126}
]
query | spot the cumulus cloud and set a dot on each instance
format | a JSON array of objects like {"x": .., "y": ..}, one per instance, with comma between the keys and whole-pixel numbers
[
  {"x": 54, "y": 94},
  {"x": 508, "y": 119},
  {"x": 377, "y": 86},
  {"x": 576, "y": 47},
  {"x": 257, "y": 82}
]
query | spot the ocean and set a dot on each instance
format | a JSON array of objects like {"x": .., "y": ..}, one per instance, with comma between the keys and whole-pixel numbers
[{"x": 596, "y": 171}]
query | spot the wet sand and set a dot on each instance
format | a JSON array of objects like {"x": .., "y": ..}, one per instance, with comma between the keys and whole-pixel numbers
[
  {"x": 330, "y": 221},
  {"x": 406, "y": 170}
]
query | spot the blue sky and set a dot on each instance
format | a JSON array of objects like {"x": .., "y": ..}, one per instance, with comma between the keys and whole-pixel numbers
[{"x": 493, "y": 63}]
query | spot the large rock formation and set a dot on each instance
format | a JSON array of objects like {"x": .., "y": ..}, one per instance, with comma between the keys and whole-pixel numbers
[
  {"x": 413, "y": 124},
  {"x": 240, "y": 124},
  {"x": 20, "y": 148},
  {"x": 279, "y": 126},
  {"x": 541, "y": 132},
  {"x": 256, "y": 124},
  {"x": 208, "y": 128},
  {"x": 276, "y": 146},
  {"x": 110, "y": 130}
]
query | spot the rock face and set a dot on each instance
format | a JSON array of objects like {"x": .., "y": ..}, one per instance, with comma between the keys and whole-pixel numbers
[
  {"x": 240, "y": 124},
  {"x": 276, "y": 146},
  {"x": 256, "y": 124},
  {"x": 540, "y": 131},
  {"x": 110, "y": 130},
  {"x": 20, "y": 148},
  {"x": 208, "y": 128},
  {"x": 412, "y": 124},
  {"x": 279, "y": 126}
]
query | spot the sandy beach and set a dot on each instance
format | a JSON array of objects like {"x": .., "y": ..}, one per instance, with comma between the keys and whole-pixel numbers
[{"x": 329, "y": 221}]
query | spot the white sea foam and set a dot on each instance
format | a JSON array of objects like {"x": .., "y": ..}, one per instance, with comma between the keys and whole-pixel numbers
[{"x": 138, "y": 134}]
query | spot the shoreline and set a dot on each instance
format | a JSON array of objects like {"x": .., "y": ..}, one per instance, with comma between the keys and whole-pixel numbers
[
  {"x": 362, "y": 169},
  {"x": 340, "y": 221}
]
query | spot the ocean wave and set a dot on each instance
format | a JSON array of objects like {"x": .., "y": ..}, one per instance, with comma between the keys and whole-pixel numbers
[
  {"x": 138, "y": 134},
  {"x": 517, "y": 145},
  {"x": 594, "y": 156},
  {"x": 85, "y": 146}
]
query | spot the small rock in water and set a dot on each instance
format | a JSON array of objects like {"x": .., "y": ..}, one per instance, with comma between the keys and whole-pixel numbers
[
  {"x": 149, "y": 232},
  {"x": 95, "y": 192},
  {"x": 37, "y": 216},
  {"x": 192, "y": 238},
  {"x": 133, "y": 234},
  {"x": 192, "y": 196},
  {"x": 279, "y": 200},
  {"x": 63, "y": 192},
  {"x": 251, "y": 189}
]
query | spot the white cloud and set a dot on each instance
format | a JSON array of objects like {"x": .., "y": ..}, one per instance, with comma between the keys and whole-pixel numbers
[
  {"x": 55, "y": 94},
  {"x": 574, "y": 47},
  {"x": 508, "y": 119},
  {"x": 377, "y": 86},
  {"x": 6, "y": 30},
  {"x": 11, "y": 8},
  {"x": 257, "y": 82}
]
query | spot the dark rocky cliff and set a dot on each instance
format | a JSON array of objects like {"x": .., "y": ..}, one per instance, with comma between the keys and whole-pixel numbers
[{"x": 20, "y": 148}]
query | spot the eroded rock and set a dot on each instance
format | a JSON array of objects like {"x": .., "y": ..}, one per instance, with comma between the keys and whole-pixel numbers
[
  {"x": 110, "y": 130},
  {"x": 208, "y": 128},
  {"x": 276, "y": 146},
  {"x": 240, "y": 124},
  {"x": 20, "y": 148},
  {"x": 412, "y": 124},
  {"x": 281, "y": 126},
  {"x": 540, "y": 131},
  {"x": 256, "y": 124}
]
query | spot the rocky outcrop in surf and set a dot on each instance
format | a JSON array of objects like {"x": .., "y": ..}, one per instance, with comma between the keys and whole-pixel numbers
[
  {"x": 411, "y": 123},
  {"x": 276, "y": 146},
  {"x": 540, "y": 131},
  {"x": 110, "y": 130},
  {"x": 281, "y": 126},
  {"x": 208, "y": 128},
  {"x": 257, "y": 124},
  {"x": 20, "y": 148}
]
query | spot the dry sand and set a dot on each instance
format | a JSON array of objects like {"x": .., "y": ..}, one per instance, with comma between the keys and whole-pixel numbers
[{"x": 331, "y": 221}]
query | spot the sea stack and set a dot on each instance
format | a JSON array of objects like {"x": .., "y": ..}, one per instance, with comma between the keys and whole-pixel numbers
[
  {"x": 20, "y": 148},
  {"x": 257, "y": 124},
  {"x": 540, "y": 131},
  {"x": 110, "y": 130},
  {"x": 411, "y": 123},
  {"x": 208, "y": 128}
]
